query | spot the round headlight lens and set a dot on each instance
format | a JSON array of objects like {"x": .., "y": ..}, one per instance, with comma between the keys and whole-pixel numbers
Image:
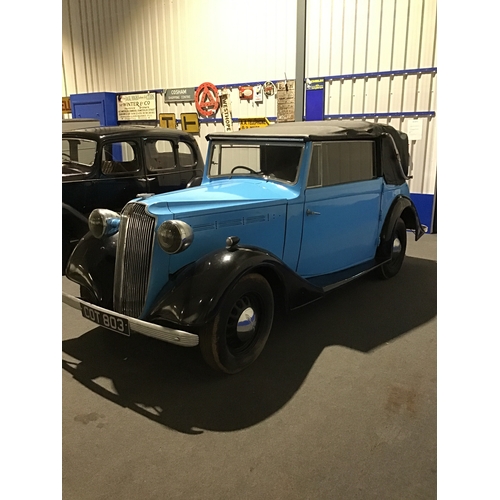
[
  {"x": 103, "y": 222},
  {"x": 174, "y": 236}
]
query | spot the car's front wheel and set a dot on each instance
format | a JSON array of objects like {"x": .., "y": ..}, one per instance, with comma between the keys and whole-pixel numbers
[
  {"x": 398, "y": 251},
  {"x": 66, "y": 251},
  {"x": 239, "y": 331}
]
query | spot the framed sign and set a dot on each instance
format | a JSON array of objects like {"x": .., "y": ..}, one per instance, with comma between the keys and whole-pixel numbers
[
  {"x": 167, "y": 120},
  {"x": 66, "y": 105},
  {"x": 225, "y": 110},
  {"x": 190, "y": 123},
  {"x": 132, "y": 107},
  {"x": 286, "y": 101},
  {"x": 180, "y": 95},
  {"x": 253, "y": 122}
]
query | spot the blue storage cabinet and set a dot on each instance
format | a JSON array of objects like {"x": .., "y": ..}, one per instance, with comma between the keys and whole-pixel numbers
[{"x": 97, "y": 105}]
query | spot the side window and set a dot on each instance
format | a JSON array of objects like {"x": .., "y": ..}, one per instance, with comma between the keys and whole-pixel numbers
[
  {"x": 340, "y": 162},
  {"x": 159, "y": 155},
  {"x": 186, "y": 155},
  {"x": 119, "y": 158}
]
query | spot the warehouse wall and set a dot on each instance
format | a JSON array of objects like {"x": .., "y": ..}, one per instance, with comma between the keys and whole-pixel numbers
[{"x": 378, "y": 57}]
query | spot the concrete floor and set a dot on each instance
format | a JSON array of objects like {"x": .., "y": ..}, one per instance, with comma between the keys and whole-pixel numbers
[{"x": 340, "y": 405}]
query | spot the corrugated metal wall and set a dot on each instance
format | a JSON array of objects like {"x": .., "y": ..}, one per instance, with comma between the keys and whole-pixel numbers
[{"x": 378, "y": 57}]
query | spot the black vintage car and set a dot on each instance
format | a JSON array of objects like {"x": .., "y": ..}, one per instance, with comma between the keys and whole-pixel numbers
[{"x": 108, "y": 166}]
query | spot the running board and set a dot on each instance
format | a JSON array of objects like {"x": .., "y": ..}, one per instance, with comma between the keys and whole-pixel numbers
[{"x": 330, "y": 281}]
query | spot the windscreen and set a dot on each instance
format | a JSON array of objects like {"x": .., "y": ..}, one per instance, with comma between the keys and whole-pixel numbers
[{"x": 278, "y": 162}]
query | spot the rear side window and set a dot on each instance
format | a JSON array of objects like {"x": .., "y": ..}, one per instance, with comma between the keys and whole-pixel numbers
[
  {"x": 119, "y": 158},
  {"x": 159, "y": 155},
  {"x": 341, "y": 162},
  {"x": 186, "y": 155}
]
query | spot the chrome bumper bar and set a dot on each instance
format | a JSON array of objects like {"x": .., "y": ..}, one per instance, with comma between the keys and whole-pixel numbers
[{"x": 159, "y": 332}]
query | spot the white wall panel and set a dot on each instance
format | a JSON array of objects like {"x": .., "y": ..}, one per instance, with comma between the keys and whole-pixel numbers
[
  {"x": 134, "y": 45},
  {"x": 379, "y": 36},
  {"x": 375, "y": 13}
]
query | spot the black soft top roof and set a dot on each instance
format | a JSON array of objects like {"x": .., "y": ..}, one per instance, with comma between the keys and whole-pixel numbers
[{"x": 323, "y": 131}]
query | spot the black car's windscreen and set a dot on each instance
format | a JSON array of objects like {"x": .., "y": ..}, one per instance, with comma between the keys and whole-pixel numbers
[
  {"x": 275, "y": 161},
  {"x": 79, "y": 151}
]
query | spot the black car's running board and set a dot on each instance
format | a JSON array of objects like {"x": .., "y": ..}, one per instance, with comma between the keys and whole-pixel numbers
[{"x": 330, "y": 281}]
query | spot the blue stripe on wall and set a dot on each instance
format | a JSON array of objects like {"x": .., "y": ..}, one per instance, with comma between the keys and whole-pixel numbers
[{"x": 424, "y": 204}]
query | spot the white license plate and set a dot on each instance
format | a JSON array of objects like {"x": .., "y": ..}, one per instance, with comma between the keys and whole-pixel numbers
[{"x": 107, "y": 320}]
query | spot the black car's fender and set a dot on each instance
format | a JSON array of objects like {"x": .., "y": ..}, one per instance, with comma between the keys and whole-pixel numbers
[
  {"x": 73, "y": 222},
  {"x": 92, "y": 266},
  {"x": 74, "y": 226},
  {"x": 402, "y": 207},
  {"x": 193, "y": 295}
]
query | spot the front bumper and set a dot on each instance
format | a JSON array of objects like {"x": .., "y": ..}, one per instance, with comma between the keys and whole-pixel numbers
[{"x": 159, "y": 332}]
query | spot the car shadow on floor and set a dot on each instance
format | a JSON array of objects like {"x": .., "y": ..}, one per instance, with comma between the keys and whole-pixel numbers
[{"x": 174, "y": 387}]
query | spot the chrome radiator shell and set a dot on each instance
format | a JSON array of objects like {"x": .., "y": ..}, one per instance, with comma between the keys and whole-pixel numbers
[{"x": 133, "y": 260}]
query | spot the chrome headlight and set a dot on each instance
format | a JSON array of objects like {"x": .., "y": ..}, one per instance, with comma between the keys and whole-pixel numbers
[
  {"x": 174, "y": 236},
  {"x": 103, "y": 222}
]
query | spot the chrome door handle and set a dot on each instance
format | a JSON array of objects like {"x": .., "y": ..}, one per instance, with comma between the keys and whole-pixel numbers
[
  {"x": 310, "y": 212},
  {"x": 146, "y": 179}
]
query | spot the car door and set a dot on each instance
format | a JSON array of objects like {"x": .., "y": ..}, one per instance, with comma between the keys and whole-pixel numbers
[
  {"x": 341, "y": 208},
  {"x": 169, "y": 165},
  {"x": 122, "y": 174}
]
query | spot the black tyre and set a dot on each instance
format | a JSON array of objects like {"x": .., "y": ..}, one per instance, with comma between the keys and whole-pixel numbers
[
  {"x": 239, "y": 331},
  {"x": 398, "y": 250},
  {"x": 66, "y": 251}
]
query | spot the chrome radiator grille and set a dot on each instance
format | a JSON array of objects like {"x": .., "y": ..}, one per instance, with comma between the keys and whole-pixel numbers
[{"x": 133, "y": 260}]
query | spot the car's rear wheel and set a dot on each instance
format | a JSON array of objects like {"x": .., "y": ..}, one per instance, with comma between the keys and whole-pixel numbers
[
  {"x": 237, "y": 335},
  {"x": 398, "y": 251}
]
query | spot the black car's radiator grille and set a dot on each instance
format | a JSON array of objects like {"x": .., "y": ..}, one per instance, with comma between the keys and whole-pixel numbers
[{"x": 133, "y": 261}]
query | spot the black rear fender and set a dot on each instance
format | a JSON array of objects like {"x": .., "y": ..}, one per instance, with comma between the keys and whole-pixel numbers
[{"x": 401, "y": 208}]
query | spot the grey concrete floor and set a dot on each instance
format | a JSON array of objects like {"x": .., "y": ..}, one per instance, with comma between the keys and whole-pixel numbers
[{"x": 340, "y": 405}]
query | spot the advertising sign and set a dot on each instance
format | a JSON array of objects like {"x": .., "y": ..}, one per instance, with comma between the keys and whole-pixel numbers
[
  {"x": 66, "y": 106},
  {"x": 132, "y": 107},
  {"x": 180, "y": 95},
  {"x": 315, "y": 84},
  {"x": 225, "y": 109},
  {"x": 246, "y": 92},
  {"x": 286, "y": 101},
  {"x": 253, "y": 122},
  {"x": 207, "y": 99}
]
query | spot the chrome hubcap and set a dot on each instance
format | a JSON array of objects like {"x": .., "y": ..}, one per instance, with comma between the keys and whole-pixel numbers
[
  {"x": 396, "y": 247},
  {"x": 246, "y": 325}
]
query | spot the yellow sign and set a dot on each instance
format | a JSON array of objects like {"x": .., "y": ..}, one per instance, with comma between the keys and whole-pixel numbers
[
  {"x": 190, "y": 123},
  {"x": 167, "y": 120},
  {"x": 66, "y": 105},
  {"x": 253, "y": 122}
]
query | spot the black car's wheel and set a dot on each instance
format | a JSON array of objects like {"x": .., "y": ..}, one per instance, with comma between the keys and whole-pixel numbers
[
  {"x": 239, "y": 331},
  {"x": 398, "y": 250},
  {"x": 66, "y": 251}
]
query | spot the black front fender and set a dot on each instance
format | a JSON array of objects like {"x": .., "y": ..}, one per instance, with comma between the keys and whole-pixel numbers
[
  {"x": 92, "y": 266},
  {"x": 193, "y": 296},
  {"x": 74, "y": 223}
]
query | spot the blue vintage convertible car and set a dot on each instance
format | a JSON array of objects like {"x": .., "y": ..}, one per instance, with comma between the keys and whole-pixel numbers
[{"x": 283, "y": 214}]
